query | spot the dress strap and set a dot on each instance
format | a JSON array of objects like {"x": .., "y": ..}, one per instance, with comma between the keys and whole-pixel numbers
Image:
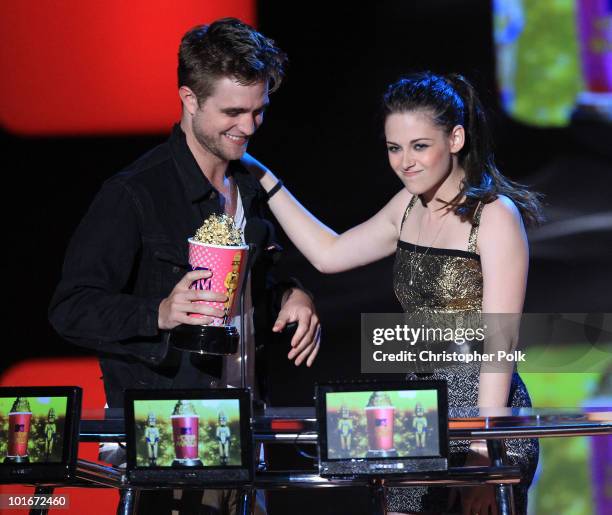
[
  {"x": 474, "y": 230},
  {"x": 408, "y": 209}
]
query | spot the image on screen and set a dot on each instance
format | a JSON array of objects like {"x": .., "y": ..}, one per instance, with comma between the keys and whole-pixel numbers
[
  {"x": 187, "y": 433},
  {"x": 561, "y": 47},
  {"x": 382, "y": 424},
  {"x": 32, "y": 429}
]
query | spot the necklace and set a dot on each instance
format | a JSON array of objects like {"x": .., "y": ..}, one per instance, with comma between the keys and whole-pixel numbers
[{"x": 417, "y": 266}]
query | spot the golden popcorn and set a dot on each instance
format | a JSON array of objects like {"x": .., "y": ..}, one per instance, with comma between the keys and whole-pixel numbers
[{"x": 219, "y": 230}]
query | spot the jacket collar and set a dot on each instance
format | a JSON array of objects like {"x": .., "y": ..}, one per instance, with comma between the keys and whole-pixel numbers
[{"x": 197, "y": 186}]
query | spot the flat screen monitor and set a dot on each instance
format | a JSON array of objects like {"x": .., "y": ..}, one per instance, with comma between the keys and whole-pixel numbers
[
  {"x": 39, "y": 433},
  {"x": 382, "y": 429},
  {"x": 189, "y": 437}
]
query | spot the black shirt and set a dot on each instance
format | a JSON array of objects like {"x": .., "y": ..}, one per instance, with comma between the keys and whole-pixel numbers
[{"x": 128, "y": 253}]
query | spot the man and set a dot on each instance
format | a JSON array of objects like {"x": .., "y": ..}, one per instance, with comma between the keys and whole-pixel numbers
[{"x": 124, "y": 284}]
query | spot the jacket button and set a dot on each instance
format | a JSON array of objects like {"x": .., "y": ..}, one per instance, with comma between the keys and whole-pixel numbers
[{"x": 175, "y": 269}]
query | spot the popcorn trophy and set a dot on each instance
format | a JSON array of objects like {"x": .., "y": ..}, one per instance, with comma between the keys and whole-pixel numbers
[
  {"x": 185, "y": 434},
  {"x": 19, "y": 422},
  {"x": 380, "y": 416},
  {"x": 217, "y": 246}
]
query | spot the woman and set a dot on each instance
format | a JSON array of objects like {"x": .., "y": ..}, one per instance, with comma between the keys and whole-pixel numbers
[{"x": 457, "y": 229}]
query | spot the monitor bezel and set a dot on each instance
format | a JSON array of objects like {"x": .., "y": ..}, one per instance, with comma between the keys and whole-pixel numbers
[
  {"x": 338, "y": 387},
  {"x": 55, "y": 472},
  {"x": 243, "y": 396}
]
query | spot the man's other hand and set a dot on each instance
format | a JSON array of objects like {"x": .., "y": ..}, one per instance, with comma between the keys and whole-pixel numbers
[{"x": 297, "y": 306}]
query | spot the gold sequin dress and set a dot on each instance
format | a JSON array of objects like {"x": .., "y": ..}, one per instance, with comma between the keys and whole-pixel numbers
[{"x": 432, "y": 280}]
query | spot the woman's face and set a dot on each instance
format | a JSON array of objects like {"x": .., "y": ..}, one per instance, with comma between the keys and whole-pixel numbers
[{"x": 420, "y": 152}]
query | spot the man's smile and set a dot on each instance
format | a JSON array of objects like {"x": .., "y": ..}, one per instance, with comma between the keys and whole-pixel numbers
[{"x": 238, "y": 140}]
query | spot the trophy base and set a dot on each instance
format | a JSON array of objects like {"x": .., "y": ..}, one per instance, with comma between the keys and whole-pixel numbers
[
  {"x": 205, "y": 339},
  {"x": 389, "y": 453},
  {"x": 17, "y": 459},
  {"x": 187, "y": 463}
]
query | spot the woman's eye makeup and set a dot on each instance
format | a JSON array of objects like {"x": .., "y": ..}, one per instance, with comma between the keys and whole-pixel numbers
[{"x": 415, "y": 146}]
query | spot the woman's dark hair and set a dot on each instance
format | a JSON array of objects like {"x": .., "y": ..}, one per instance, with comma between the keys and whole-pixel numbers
[
  {"x": 450, "y": 101},
  {"x": 228, "y": 48}
]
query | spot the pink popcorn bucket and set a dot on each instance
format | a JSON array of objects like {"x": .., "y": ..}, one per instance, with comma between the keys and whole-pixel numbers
[
  {"x": 18, "y": 436},
  {"x": 185, "y": 438},
  {"x": 228, "y": 265},
  {"x": 380, "y": 428}
]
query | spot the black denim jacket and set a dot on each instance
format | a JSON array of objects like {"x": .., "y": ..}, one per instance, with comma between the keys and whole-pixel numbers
[{"x": 128, "y": 253}]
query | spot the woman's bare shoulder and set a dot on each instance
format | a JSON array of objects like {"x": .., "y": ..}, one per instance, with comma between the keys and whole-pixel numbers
[
  {"x": 395, "y": 208},
  {"x": 501, "y": 225},
  {"x": 499, "y": 214}
]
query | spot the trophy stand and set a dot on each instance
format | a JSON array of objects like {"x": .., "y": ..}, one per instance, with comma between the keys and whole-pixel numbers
[
  {"x": 376, "y": 453},
  {"x": 242, "y": 335},
  {"x": 205, "y": 339}
]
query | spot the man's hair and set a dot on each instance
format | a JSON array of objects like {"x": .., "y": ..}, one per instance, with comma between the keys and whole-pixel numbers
[{"x": 228, "y": 48}]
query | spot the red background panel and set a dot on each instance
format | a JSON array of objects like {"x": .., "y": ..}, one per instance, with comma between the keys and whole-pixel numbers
[{"x": 104, "y": 67}]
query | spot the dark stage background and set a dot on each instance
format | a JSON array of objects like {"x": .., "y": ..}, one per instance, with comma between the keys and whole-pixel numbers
[{"x": 323, "y": 136}]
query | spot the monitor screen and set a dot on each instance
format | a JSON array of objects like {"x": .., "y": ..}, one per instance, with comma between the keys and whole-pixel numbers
[
  {"x": 32, "y": 429},
  {"x": 402, "y": 423},
  {"x": 188, "y": 436},
  {"x": 187, "y": 433},
  {"x": 38, "y": 432}
]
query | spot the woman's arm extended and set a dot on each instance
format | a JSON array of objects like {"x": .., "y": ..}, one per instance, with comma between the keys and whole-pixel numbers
[{"x": 325, "y": 249}]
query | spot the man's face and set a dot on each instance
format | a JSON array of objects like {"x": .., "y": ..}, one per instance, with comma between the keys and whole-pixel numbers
[{"x": 225, "y": 121}]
